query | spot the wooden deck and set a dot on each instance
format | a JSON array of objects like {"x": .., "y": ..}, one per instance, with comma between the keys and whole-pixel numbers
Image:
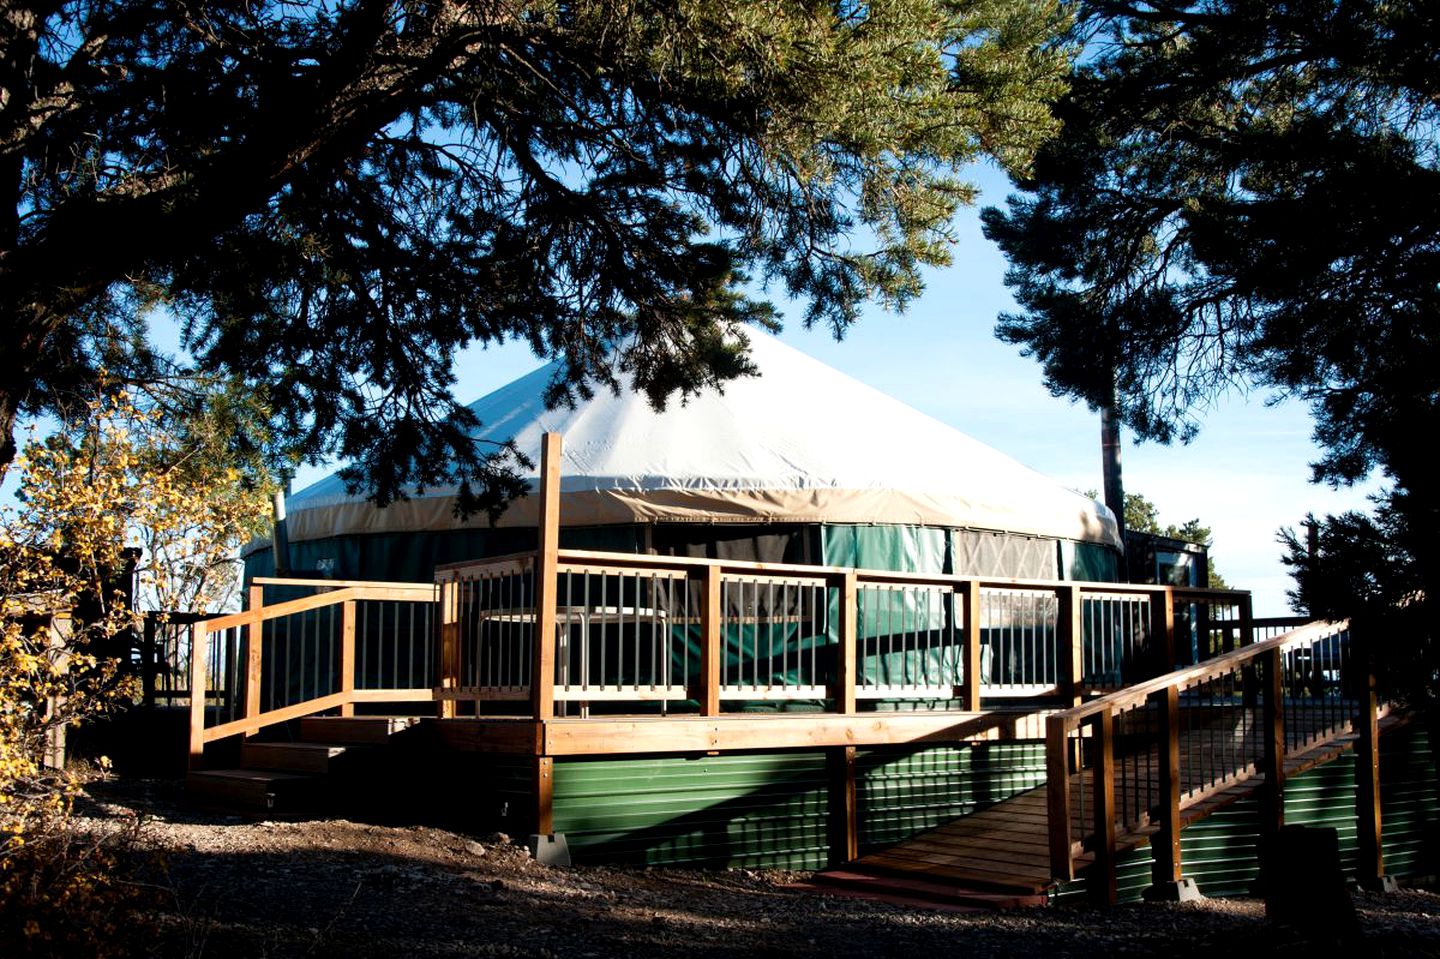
[{"x": 1005, "y": 846}]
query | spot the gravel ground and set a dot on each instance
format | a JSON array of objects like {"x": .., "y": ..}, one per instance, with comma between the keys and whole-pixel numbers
[{"x": 234, "y": 887}]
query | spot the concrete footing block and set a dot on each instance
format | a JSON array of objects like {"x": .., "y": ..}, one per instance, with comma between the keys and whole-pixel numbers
[
  {"x": 549, "y": 850},
  {"x": 1183, "y": 891}
]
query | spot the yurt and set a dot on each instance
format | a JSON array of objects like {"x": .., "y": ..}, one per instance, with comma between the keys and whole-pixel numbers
[{"x": 799, "y": 463}]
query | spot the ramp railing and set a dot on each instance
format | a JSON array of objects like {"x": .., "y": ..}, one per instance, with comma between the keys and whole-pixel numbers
[{"x": 1146, "y": 758}]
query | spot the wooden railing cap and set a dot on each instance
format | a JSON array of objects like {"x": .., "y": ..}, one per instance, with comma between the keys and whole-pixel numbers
[{"x": 1202, "y": 672}]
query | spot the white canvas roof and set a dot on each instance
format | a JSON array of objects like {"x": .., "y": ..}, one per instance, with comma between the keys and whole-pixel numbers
[{"x": 801, "y": 442}]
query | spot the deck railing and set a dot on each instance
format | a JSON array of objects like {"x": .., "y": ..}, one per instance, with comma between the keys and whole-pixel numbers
[
  {"x": 676, "y": 634},
  {"x": 632, "y": 633},
  {"x": 345, "y": 643},
  {"x": 162, "y": 658},
  {"x": 1144, "y": 758}
]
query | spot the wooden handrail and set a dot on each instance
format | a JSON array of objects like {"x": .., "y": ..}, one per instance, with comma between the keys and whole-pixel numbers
[
  {"x": 1132, "y": 696},
  {"x": 1163, "y": 693},
  {"x": 290, "y": 607},
  {"x": 1261, "y": 622},
  {"x": 253, "y": 724},
  {"x": 630, "y": 561},
  {"x": 340, "y": 583},
  {"x": 526, "y": 558}
]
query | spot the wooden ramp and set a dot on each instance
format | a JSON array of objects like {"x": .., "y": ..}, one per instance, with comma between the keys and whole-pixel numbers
[
  {"x": 1005, "y": 847},
  {"x": 1002, "y": 847}
]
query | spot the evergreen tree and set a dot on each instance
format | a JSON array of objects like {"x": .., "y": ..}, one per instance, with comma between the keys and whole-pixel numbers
[
  {"x": 1246, "y": 194},
  {"x": 337, "y": 197}
]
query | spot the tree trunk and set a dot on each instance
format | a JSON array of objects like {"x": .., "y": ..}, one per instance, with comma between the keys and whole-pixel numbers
[{"x": 9, "y": 401}]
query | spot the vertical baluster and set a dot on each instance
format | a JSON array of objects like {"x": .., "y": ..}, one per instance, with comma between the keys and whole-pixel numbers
[
  {"x": 411, "y": 613},
  {"x": 362, "y": 642},
  {"x": 653, "y": 605},
  {"x": 488, "y": 618},
  {"x": 499, "y": 621},
  {"x": 1273, "y": 741},
  {"x": 586, "y": 613},
  {"x": 490, "y": 629},
  {"x": 768, "y": 613},
  {"x": 427, "y": 646},
  {"x": 723, "y": 661}
]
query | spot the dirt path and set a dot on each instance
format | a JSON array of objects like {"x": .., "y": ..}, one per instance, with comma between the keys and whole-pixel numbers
[{"x": 234, "y": 887}]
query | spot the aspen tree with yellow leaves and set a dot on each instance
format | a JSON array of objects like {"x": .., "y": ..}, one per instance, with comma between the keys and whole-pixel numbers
[{"x": 128, "y": 475}]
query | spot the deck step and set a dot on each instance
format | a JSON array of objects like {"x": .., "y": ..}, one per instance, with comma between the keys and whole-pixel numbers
[
  {"x": 312, "y": 758},
  {"x": 354, "y": 729},
  {"x": 908, "y": 890},
  {"x": 253, "y": 789}
]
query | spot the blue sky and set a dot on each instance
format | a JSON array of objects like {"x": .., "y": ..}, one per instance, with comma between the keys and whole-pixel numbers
[{"x": 1245, "y": 476}]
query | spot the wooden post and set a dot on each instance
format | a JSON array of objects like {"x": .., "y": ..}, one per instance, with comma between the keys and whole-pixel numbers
[
  {"x": 971, "y": 649},
  {"x": 712, "y": 645},
  {"x": 542, "y": 679},
  {"x": 544, "y": 792},
  {"x": 843, "y": 689},
  {"x": 1249, "y": 680},
  {"x": 1071, "y": 639},
  {"x": 449, "y": 658},
  {"x": 1272, "y": 814},
  {"x": 254, "y": 652},
  {"x": 254, "y": 666},
  {"x": 1166, "y": 842},
  {"x": 1370, "y": 854},
  {"x": 150, "y": 662},
  {"x": 198, "y": 645},
  {"x": 1247, "y": 621},
  {"x": 844, "y": 835},
  {"x": 347, "y": 655},
  {"x": 1162, "y": 630},
  {"x": 1102, "y": 877},
  {"x": 1057, "y": 796}
]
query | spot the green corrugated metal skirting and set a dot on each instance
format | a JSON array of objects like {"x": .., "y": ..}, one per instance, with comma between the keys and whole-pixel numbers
[
  {"x": 903, "y": 792},
  {"x": 754, "y": 809},
  {"x": 1410, "y": 802},
  {"x": 770, "y": 809},
  {"x": 1220, "y": 852}
]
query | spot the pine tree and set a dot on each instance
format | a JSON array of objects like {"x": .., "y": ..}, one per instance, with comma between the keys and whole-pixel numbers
[
  {"x": 1246, "y": 195},
  {"x": 337, "y": 197}
]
